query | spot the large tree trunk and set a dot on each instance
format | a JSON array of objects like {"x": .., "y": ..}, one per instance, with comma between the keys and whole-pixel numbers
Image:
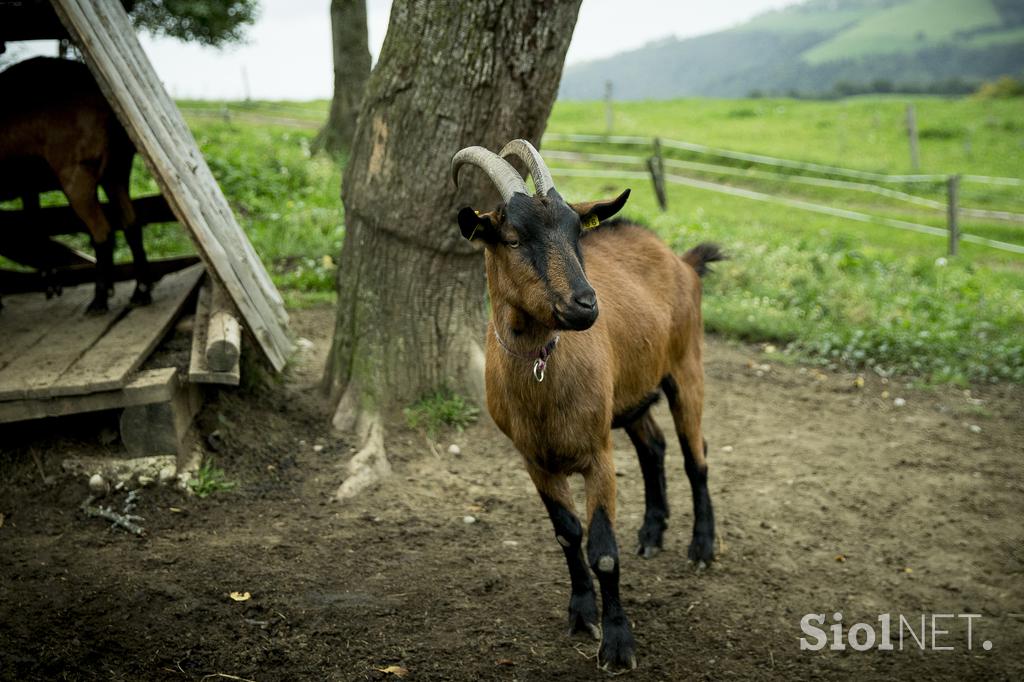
[
  {"x": 411, "y": 307},
  {"x": 351, "y": 71}
]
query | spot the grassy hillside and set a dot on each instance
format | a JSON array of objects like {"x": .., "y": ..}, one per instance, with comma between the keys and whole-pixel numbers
[
  {"x": 907, "y": 27},
  {"x": 812, "y": 47}
]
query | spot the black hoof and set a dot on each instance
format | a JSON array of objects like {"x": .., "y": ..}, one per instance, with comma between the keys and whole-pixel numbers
[
  {"x": 583, "y": 615},
  {"x": 97, "y": 307},
  {"x": 618, "y": 650},
  {"x": 650, "y": 536},
  {"x": 142, "y": 295},
  {"x": 648, "y": 551},
  {"x": 702, "y": 548}
]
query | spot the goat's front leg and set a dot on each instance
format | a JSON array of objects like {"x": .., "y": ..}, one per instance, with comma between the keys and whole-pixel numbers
[
  {"x": 557, "y": 497},
  {"x": 618, "y": 649}
]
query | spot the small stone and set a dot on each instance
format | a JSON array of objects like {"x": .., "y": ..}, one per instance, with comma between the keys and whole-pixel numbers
[
  {"x": 318, "y": 448},
  {"x": 899, "y": 402},
  {"x": 146, "y": 481},
  {"x": 166, "y": 475},
  {"x": 510, "y": 543},
  {"x": 454, "y": 449},
  {"x": 98, "y": 485},
  {"x": 468, "y": 519},
  {"x": 726, "y": 449},
  {"x": 304, "y": 343},
  {"x": 885, "y": 395},
  {"x": 974, "y": 428}
]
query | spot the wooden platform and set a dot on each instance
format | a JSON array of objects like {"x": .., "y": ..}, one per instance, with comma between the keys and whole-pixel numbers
[{"x": 51, "y": 348}]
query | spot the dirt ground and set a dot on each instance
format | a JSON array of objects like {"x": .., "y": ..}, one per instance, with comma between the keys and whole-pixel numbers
[{"x": 828, "y": 497}]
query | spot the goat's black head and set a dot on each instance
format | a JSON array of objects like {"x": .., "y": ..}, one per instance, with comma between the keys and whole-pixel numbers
[{"x": 533, "y": 242}]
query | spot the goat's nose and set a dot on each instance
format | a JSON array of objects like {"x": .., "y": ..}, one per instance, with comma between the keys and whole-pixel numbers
[{"x": 586, "y": 300}]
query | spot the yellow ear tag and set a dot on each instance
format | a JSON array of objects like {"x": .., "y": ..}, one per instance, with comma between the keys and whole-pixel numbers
[{"x": 590, "y": 222}]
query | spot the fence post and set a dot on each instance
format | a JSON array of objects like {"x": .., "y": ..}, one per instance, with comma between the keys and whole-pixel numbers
[
  {"x": 656, "y": 166},
  {"x": 952, "y": 189},
  {"x": 915, "y": 160},
  {"x": 608, "y": 115}
]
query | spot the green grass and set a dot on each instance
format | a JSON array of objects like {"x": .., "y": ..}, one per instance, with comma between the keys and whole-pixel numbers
[
  {"x": 209, "y": 480},
  {"x": 826, "y": 289},
  {"x": 439, "y": 410}
]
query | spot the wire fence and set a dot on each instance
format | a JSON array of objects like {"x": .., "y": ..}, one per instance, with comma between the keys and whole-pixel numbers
[{"x": 656, "y": 164}]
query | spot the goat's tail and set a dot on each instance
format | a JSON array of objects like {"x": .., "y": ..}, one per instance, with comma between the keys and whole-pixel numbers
[{"x": 699, "y": 256}]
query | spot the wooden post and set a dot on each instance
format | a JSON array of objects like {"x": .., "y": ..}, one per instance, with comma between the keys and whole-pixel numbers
[
  {"x": 915, "y": 160},
  {"x": 952, "y": 189},
  {"x": 656, "y": 166},
  {"x": 608, "y": 115}
]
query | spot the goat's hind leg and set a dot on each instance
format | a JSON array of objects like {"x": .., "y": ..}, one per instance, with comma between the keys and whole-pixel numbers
[
  {"x": 79, "y": 185},
  {"x": 650, "y": 449},
  {"x": 557, "y": 497},
  {"x": 686, "y": 401},
  {"x": 116, "y": 185}
]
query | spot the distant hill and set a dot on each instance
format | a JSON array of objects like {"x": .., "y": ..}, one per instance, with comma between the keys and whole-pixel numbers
[{"x": 823, "y": 47}]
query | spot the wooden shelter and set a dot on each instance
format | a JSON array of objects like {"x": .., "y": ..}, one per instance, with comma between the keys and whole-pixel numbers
[{"x": 54, "y": 361}]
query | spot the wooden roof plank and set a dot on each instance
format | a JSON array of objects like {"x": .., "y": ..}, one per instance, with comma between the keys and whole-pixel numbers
[
  {"x": 181, "y": 158},
  {"x": 104, "y": 34}
]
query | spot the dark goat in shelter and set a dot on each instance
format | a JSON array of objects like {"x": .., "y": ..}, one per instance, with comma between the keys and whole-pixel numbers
[
  {"x": 559, "y": 376},
  {"x": 57, "y": 131}
]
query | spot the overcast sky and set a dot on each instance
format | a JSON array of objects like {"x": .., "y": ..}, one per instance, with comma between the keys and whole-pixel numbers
[{"x": 288, "y": 52}]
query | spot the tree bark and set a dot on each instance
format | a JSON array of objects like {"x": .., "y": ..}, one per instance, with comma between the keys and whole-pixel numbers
[
  {"x": 411, "y": 292},
  {"x": 351, "y": 71}
]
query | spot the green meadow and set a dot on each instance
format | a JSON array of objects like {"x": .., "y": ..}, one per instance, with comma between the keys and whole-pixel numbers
[{"x": 815, "y": 287}]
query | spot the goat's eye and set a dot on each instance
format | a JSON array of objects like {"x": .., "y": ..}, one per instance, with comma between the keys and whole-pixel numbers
[{"x": 513, "y": 243}]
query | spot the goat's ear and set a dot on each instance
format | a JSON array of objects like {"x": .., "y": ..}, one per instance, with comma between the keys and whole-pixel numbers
[
  {"x": 475, "y": 225},
  {"x": 593, "y": 212}
]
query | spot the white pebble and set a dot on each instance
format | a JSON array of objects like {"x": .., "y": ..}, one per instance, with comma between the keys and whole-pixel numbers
[
  {"x": 468, "y": 519},
  {"x": 726, "y": 449},
  {"x": 454, "y": 449},
  {"x": 974, "y": 428},
  {"x": 304, "y": 343},
  {"x": 318, "y": 448},
  {"x": 899, "y": 402},
  {"x": 98, "y": 485},
  {"x": 146, "y": 481},
  {"x": 510, "y": 543},
  {"x": 167, "y": 475}
]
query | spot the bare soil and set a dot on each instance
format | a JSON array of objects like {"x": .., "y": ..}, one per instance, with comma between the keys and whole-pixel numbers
[{"x": 828, "y": 498}]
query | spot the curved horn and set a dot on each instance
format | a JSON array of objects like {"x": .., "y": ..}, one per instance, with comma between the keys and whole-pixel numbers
[
  {"x": 531, "y": 157},
  {"x": 500, "y": 171}
]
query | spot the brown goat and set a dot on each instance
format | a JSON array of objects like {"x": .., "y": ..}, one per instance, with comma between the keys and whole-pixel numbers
[
  {"x": 557, "y": 396},
  {"x": 57, "y": 131}
]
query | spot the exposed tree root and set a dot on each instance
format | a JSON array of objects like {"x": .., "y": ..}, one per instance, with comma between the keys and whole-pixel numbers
[{"x": 370, "y": 464}]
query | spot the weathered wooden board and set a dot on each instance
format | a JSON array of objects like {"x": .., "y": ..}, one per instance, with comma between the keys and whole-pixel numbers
[
  {"x": 199, "y": 371},
  {"x": 26, "y": 320},
  {"x": 50, "y": 356},
  {"x": 127, "y": 344},
  {"x": 149, "y": 386},
  {"x": 108, "y": 43},
  {"x": 58, "y": 350}
]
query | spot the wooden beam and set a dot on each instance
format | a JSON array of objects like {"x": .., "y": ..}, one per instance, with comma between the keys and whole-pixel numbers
[
  {"x": 55, "y": 220},
  {"x": 111, "y": 50},
  {"x": 13, "y": 282},
  {"x": 149, "y": 386}
]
